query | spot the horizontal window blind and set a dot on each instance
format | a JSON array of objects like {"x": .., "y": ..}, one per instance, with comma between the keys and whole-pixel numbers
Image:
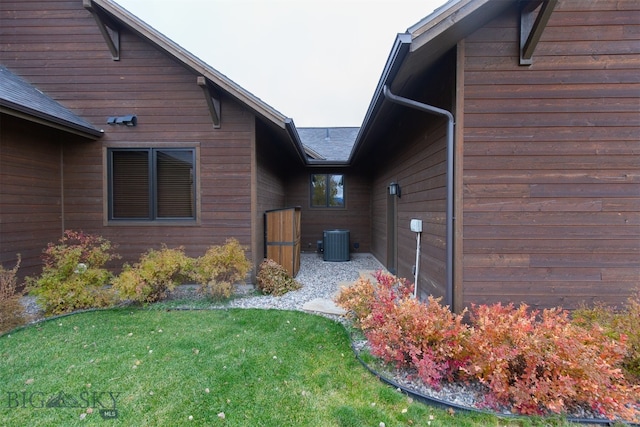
[
  {"x": 175, "y": 184},
  {"x": 130, "y": 184},
  {"x": 149, "y": 184}
]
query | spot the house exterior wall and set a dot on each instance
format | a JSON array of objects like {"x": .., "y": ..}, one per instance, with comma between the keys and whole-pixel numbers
[
  {"x": 419, "y": 167},
  {"x": 57, "y": 47},
  {"x": 270, "y": 187},
  {"x": 31, "y": 192},
  {"x": 355, "y": 216},
  {"x": 551, "y": 159}
]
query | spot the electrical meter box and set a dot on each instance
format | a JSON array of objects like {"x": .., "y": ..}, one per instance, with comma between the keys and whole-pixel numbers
[{"x": 416, "y": 225}]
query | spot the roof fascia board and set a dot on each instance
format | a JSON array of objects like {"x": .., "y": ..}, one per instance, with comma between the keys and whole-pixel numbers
[
  {"x": 442, "y": 19},
  {"x": 34, "y": 116},
  {"x": 328, "y": 163},
  {"x": 397, "y": 56},
  {"x": 313, "y": 154},
  {"x": 290, "y": 127},
  {"x": 191, "y": 61}
]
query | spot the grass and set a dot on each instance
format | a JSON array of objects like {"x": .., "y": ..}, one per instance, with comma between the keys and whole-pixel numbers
[{"x": 161, "y": 367}]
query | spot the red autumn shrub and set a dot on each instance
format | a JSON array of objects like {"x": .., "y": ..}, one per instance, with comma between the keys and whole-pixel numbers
[
  {"x": 404, "y": 331},
  {"x": 533, "y": 362},
  {"x": 546, "y": 364}
]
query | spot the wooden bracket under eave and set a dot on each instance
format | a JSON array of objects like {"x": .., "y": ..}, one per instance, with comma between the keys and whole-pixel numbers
[
  {"x": 532, "y": 25},
  {"x": 212, "y": 101},
  {"x": 110, "y": 31}
]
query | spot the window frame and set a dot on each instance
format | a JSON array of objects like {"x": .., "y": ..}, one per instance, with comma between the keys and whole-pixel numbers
[
  {"x": 152, "y": 150},
  {"x": 327, "y": 205}
]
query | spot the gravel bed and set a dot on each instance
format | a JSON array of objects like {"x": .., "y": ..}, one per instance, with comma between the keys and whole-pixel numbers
[{"x": 319, "y": 279}]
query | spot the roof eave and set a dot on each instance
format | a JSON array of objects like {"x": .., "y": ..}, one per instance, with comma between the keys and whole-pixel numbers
[
  {"x": 449, "y": 17},
  {"x": 35, "y": 116},
  {"x": 399, "y": 52},
  {"x": 450, "y": 23},
  {"x": 328, "y": 163},
  {"x": 192, "y": 61},
  {"x": 290, "y": 127}
]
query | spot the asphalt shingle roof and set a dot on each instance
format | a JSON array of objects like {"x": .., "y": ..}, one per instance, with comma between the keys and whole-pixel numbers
[
  {"x": 19, "y": 95},
  {"x": 331, "y": 143}
]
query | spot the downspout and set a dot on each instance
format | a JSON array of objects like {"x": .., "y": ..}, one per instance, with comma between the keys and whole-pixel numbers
[{"x": 450, "y": 123}]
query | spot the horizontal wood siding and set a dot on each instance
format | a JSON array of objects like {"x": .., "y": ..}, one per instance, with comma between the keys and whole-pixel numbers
[
  {"x": 30, "y": 193},
  {"x": 420, "y": 169},
  {"x": 552, "y": 159},
  {"x": 56, "y": 45},
  {"x": 270, "y": 186},
  {"x": 413, "y": 153},
  {"x": 355, "y": 217}
]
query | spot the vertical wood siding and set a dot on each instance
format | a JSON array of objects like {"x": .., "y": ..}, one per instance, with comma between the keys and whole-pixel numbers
[
  {"x": 56, "y": 46},
  {"x": 552, "y": 159}
]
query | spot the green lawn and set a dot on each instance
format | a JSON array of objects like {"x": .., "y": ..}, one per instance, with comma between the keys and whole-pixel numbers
[{"x": 157, "y": 367}]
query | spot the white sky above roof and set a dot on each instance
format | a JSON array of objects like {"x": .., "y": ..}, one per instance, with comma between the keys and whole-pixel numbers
[{"x": 317, "y": 62}]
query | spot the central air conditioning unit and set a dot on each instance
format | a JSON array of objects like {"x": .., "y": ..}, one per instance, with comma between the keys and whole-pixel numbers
[{"x": 336, "y": 245}]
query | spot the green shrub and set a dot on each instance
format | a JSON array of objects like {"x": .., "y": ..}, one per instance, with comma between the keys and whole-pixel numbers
[
  {"x": 274, "y": 279},
  {"x": 157, "y": 272},
  {"x": 11, "y": 311},
  {"x": 618, "y": 324},
  {"x": 219, "y": 268},
  {"x": 73, "y": 276}
]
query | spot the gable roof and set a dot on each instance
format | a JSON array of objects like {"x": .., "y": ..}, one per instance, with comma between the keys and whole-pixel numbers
[
  {"x": 284, "y": 125},
  {"x": 19, "y": 98},
  {"x": 330, "y": 144}
]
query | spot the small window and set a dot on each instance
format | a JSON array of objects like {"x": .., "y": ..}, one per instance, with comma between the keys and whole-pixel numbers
[
  {"x": 327, "y": 191},
  {"x": 151, "y": 184}
]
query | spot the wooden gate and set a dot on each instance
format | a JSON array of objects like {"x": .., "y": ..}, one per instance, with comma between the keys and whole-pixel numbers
[{"x": 282, "y": 238}]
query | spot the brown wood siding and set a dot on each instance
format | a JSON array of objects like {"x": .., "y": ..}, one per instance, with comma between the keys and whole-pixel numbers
[
  {"x": 270, "y": 186},
  {"x": 57, "y": 46},
  {"x": 413, "y": 153},
  {"x": 30, "y": 192},
  {"x": 420, "y": 169},
  {"x": 355, "y": 217},
  {"x": 551, "y": 159}
]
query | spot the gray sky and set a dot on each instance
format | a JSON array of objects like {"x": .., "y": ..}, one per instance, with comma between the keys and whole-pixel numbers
[{"x": 317, "y": 62}]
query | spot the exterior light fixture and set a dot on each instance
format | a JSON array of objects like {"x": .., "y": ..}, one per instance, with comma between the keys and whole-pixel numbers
[
  {"x": 394, "y": 189},
  {"x": 130, "y": 120}
]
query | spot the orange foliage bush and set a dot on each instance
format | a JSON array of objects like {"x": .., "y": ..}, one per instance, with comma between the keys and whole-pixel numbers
[
  {"x": 538, "y": 363},
  {"x": 533, "y": 362}
]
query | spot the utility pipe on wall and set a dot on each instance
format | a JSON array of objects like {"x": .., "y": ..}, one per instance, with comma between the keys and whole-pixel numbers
[{"x": 450, "y": 123}]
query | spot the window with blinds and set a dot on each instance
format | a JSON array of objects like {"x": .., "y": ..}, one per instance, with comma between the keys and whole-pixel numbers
[{"x": 151, "y": 184}]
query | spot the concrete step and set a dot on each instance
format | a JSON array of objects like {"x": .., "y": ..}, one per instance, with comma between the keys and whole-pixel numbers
[{"x": 323, "y": 305}]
